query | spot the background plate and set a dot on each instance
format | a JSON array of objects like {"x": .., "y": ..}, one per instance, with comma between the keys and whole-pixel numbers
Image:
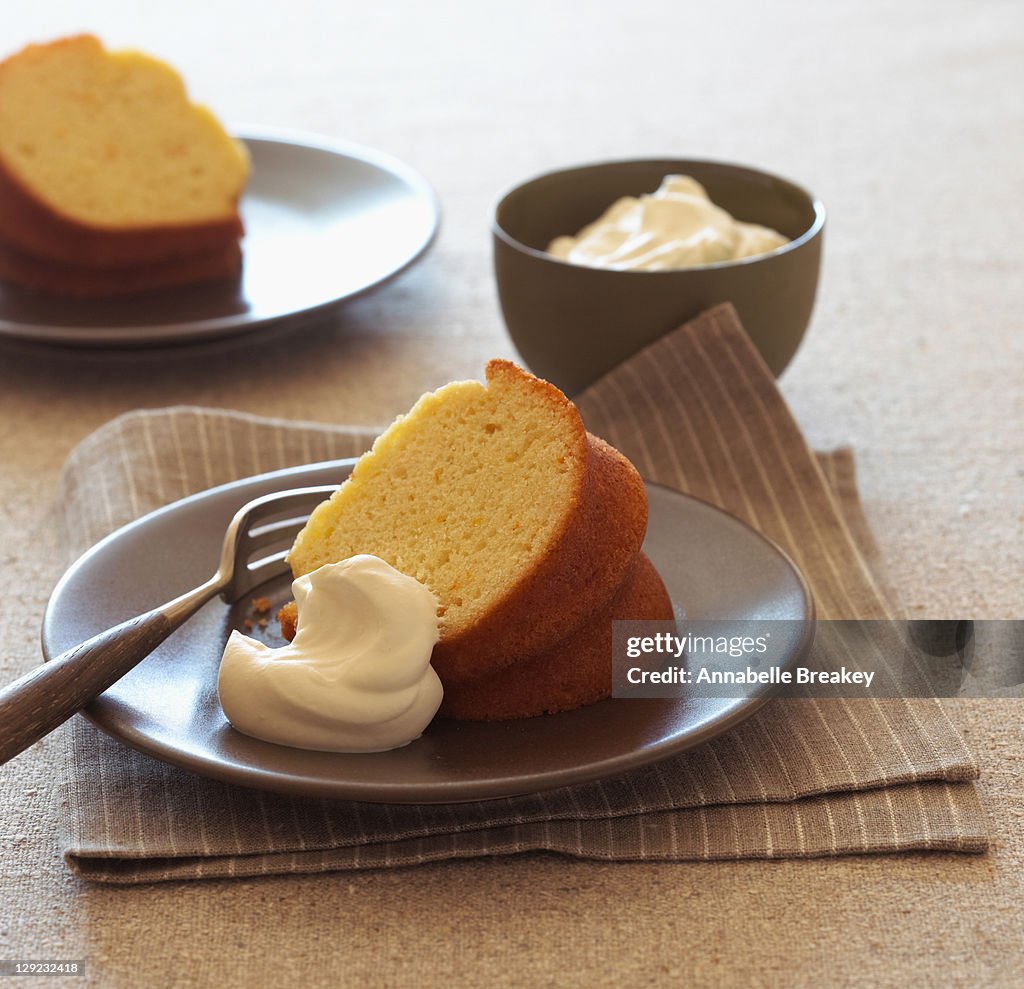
[
  {"x": 713, "y": 565},
  {"x": 324, "y": 222}
]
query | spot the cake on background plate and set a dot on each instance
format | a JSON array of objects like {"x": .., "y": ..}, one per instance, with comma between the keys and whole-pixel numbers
[{"x": 106, "y": 164}]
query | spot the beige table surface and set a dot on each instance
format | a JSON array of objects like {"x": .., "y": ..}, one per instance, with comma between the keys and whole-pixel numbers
[{"x": 906, "y": 118}]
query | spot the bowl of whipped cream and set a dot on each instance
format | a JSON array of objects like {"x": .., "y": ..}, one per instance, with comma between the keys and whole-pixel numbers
[{"x": 595, "y": 262}]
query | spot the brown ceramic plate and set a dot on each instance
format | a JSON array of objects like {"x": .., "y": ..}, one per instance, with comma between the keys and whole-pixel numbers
[
  {"x": 713, "y": 565},
  {"x": 325, "y": 221}
]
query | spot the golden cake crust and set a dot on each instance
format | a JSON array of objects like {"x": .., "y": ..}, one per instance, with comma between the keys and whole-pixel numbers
[{"x": 575, "y": 672}]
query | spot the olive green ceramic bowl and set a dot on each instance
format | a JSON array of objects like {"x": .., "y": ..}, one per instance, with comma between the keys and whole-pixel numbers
[{"x": 572, "y": 324}]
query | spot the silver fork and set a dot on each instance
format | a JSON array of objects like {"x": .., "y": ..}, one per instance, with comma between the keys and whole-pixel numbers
[{"x": 47, "y": 696}]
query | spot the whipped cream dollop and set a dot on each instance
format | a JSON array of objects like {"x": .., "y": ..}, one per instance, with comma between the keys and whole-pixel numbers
[
  {"x": 676, "y": 227},
  {"x": 356, "y": 677}
]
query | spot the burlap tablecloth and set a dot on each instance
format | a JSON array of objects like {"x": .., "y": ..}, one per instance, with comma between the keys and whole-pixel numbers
[{"x": 697, "y": 411}]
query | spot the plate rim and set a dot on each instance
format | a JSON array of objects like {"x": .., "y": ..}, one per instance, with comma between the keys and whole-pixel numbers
[
  {"x": 77, "y": 338},
  {"x": 380, "y": 791}
]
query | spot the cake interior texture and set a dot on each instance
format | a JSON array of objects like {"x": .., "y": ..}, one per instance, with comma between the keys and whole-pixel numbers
[
  {"x": 110, "y": 139},
  {"x": 464, "y": 493}
]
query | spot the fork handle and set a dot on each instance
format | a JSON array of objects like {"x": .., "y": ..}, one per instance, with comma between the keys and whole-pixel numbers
[{"x": 44, "y": 698}]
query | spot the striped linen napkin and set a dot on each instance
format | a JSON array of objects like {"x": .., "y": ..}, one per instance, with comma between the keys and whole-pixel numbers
[{"x": 697, "y": 411}]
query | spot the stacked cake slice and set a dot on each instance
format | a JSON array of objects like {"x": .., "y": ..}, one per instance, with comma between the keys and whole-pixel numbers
[
  {"x": 526, "y": 528},
  {"x": 111, "y": 180}
]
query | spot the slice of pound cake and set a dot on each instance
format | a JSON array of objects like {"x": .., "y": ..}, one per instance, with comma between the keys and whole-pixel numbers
[
  {"x": 526, "y": 528},
  {"x": 104, "y": 161}
]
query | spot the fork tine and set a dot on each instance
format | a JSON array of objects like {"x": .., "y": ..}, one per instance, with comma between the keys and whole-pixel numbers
[
  {"x": 276, "y": 519},
  {"x": 248, "y": 578},
  {"x": 268, "y": 535},
  {"x": 270, "y": 522},
  {"x": 283, "y": 502}
]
